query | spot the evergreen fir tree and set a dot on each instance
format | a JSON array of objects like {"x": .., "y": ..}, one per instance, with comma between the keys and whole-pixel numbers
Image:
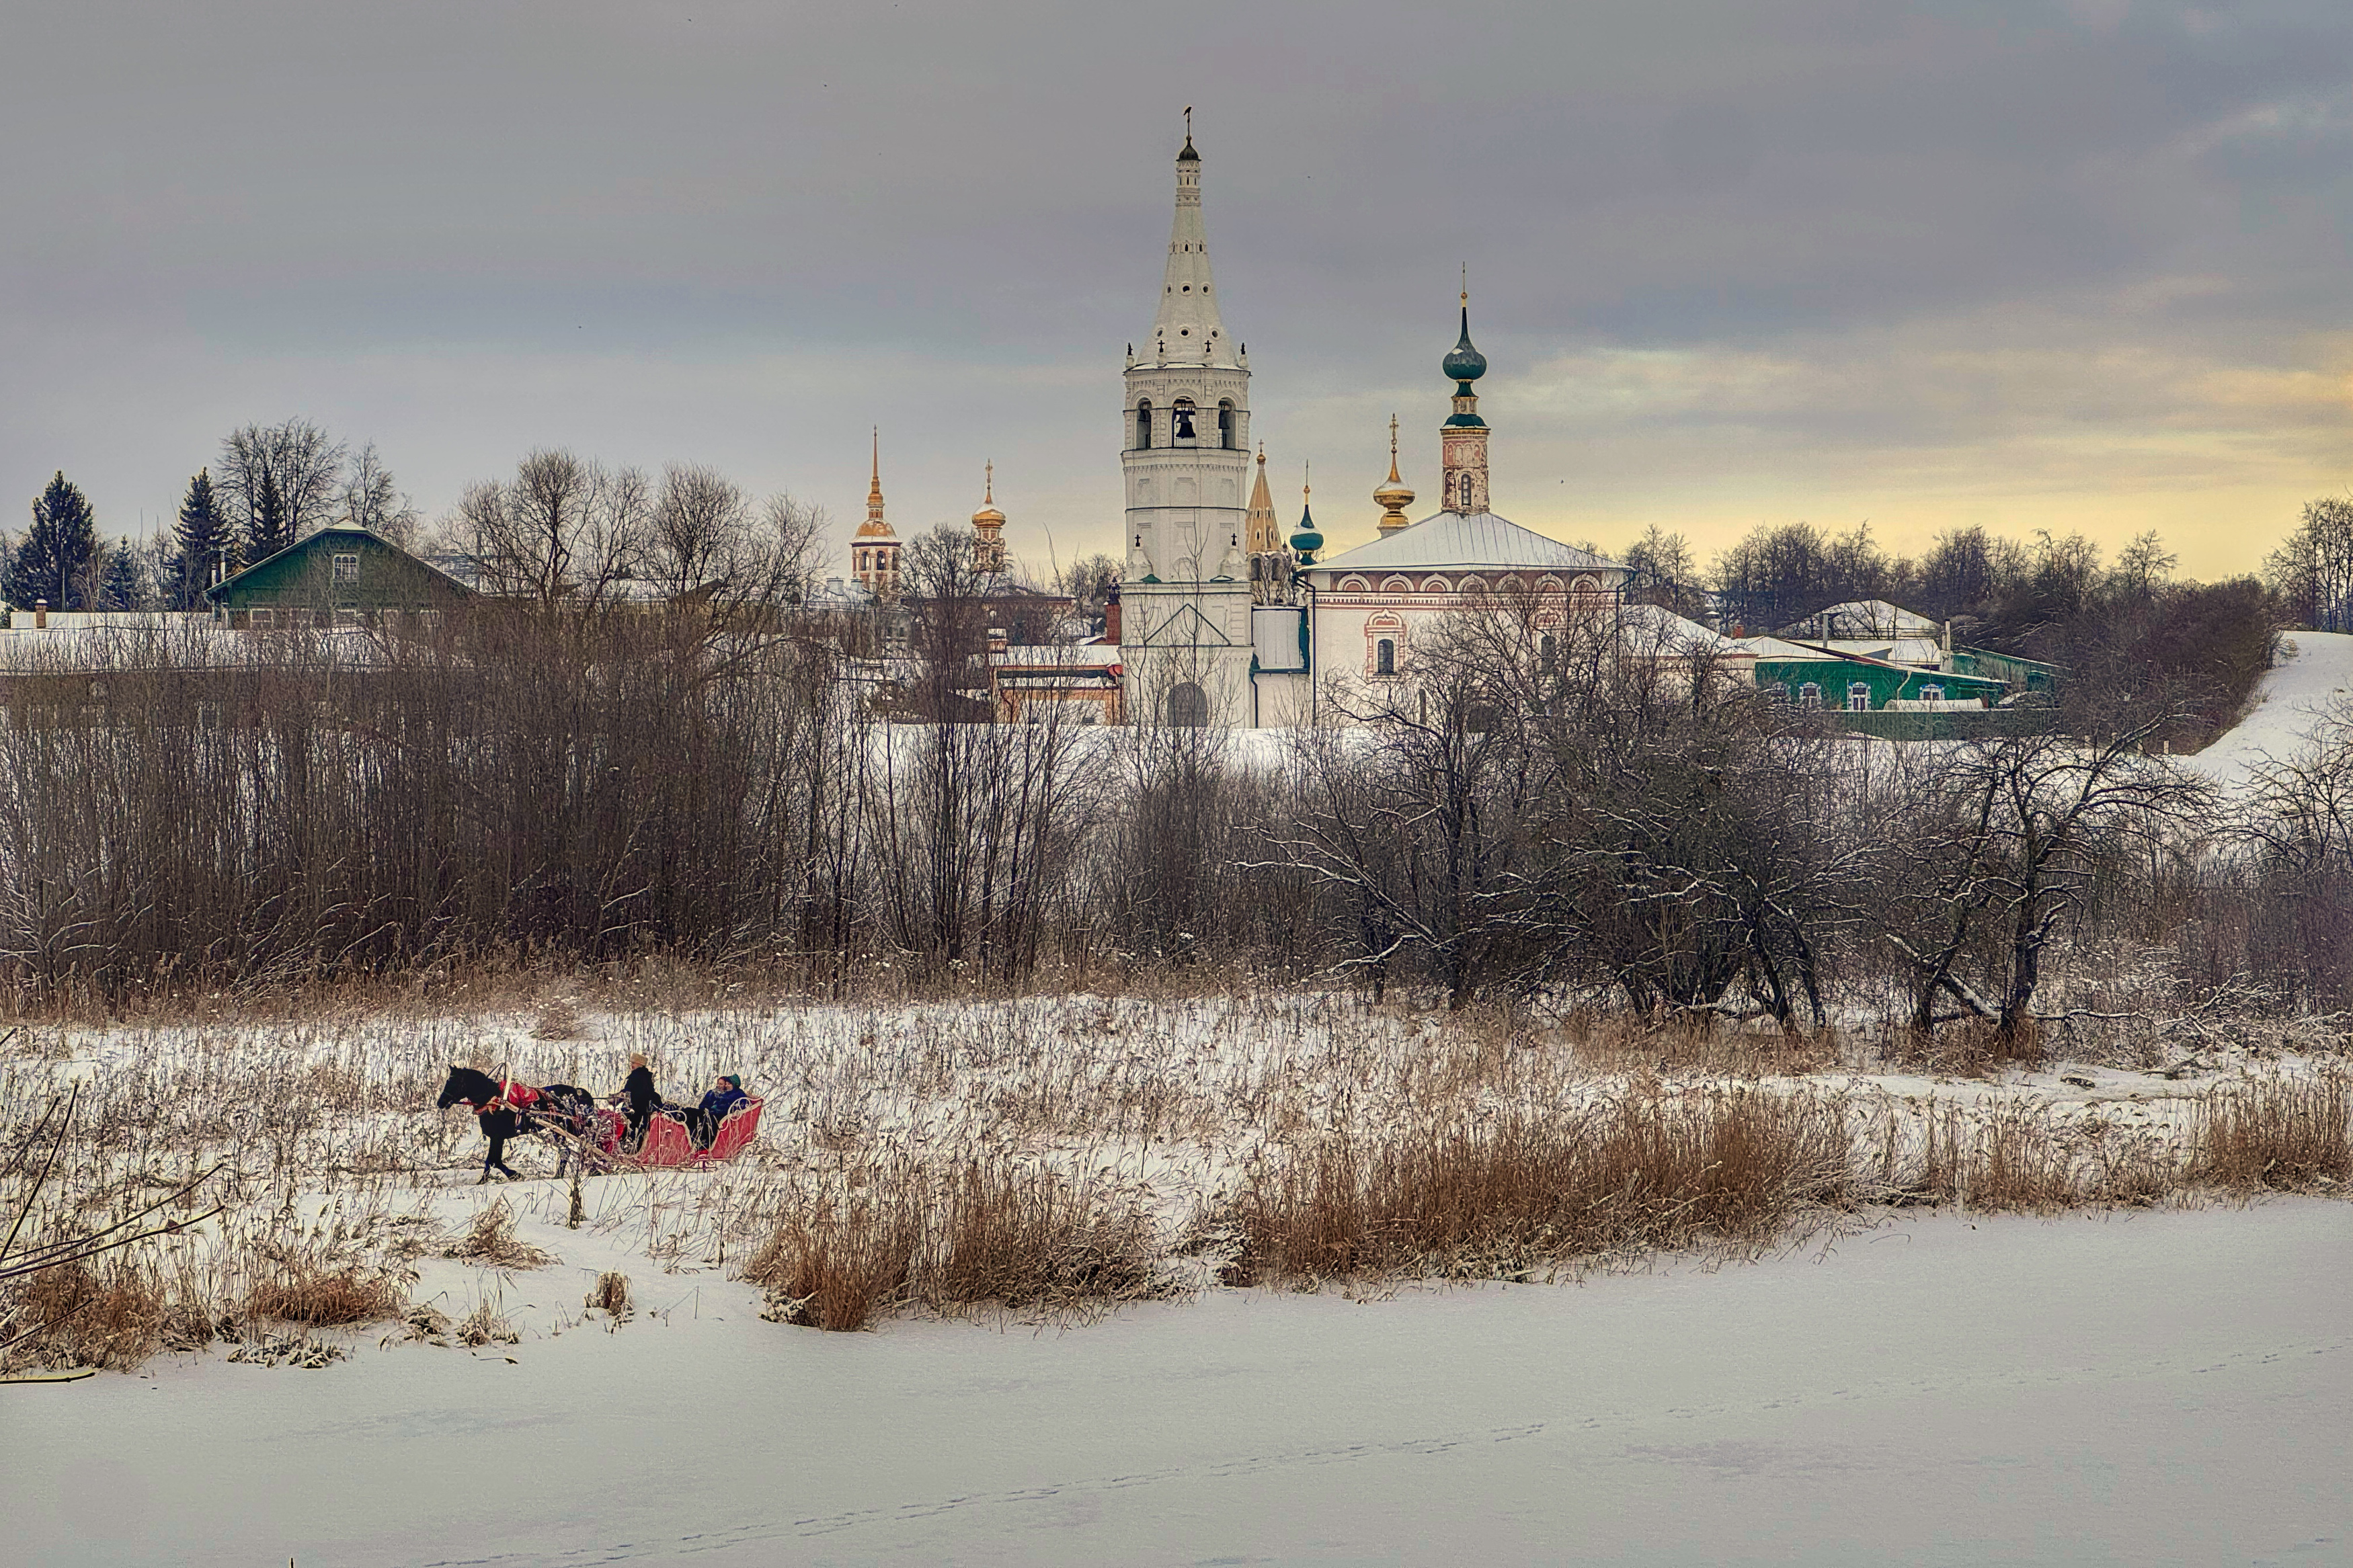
[
  {"x": 203, "y": 545},
  {"x": 53, "y": 561},
  {"x": 271, "y": 531},
  {"x": 123, "y": 586}
]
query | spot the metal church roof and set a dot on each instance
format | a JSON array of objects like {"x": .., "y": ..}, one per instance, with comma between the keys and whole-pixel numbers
[{"x": 1477, "y": 539}]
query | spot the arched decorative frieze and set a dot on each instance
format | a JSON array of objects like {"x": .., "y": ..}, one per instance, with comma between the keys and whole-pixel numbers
[
  {"x": 1352, "y": 583},
  {"x": 1397, "y": 586},
  {"x": 1434, "y": 585}
]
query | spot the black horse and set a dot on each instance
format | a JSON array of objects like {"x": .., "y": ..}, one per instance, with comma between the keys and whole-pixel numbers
[{"x": 560, "y": 1105}]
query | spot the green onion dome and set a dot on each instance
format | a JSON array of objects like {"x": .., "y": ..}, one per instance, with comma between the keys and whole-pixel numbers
[{"x": 1464, "y": 363}]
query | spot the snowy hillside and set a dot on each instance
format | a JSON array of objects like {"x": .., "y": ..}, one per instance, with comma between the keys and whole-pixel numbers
[{"x": 2315, "y": 673}]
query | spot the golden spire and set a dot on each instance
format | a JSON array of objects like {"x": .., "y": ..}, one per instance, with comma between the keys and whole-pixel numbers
[
  {"x": 874, "y": 527},
  {"x": 1393, "y": 497},
  {"x": 988, "y": 483}
]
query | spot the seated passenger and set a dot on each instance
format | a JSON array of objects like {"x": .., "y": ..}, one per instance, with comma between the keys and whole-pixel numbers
[{"x": 726, "y": 1094}]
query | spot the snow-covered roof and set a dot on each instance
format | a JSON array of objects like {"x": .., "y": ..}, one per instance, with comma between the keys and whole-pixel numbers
[
  {"x": 1917, "y": 650},
  {"x": 1655, "y": 626},
  {"x": 1865, "y": 618},
  {"x": 1776, "y": 647},
  {"x": 1477, "y": 539},
  {"x": 1064, "y": 656}
]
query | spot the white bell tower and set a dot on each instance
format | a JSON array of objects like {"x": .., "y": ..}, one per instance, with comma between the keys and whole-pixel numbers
[{"x": 1185, "y": 450}]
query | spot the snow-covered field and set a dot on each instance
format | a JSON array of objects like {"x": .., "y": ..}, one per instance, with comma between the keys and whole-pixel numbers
[
  {"x": 2141, "y": 1388},
  {"x": 2118, "y": 1385}
]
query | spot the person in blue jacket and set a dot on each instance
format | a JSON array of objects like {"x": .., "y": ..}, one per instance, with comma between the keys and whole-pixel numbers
[{"x": 726, "y": 1094}]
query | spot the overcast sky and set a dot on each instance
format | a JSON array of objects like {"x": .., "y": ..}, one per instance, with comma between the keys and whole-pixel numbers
[{"x": 2066, "y": 263}]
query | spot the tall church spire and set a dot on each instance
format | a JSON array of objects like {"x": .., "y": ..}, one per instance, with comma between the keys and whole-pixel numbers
[
  {"x": 1264, "y": 530},
  {"x": 1186, "y": 330},
  {"x": 874, "y": 551}
]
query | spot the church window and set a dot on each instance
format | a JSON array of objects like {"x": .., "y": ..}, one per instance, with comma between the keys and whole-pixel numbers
[
  {"x": 1226, "y": 425},
  {"x": 1189, "y": 706},
  {"x": 1180, "y": 427},
  {"x": 1548, "y": 650},
  {"x": 1144, "y": 424},
  {"x": 346, "y": 568},
  {"x": 1384, "y": 657},
  {"x": 1466, "y": 492},
  {"x": 1810, "y": 694},
  {"x": 1932, "y": 694},
  {"x": 1778, "y": 691},
  {"x": 1858, "y": 697}
]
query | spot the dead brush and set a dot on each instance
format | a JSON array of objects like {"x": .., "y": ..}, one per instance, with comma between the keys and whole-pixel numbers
[
  {"x": 1022, "y": 1237},
  {"x": 610, "y": 1294},
  {"x": 299, "y": 1289},
  {"x": 112, "y": 1316},
  {"x": 558, "y": 1020},
  {"x": 1972, "y": 1048},
  {"x": 485, "y": 1325},
  {"x": 2289, "y": 1134},
  {"x": 1504, "y": 1200},
  {"x": 490, "y": 1241},
  {"x": 1696, "y": 1044},
  {"x": 2006, "y": 1161},
  {"x": 833, "y": 1263}
]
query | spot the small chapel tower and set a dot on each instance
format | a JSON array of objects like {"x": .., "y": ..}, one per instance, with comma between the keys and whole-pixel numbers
[
  {"x": 874, "y": 551},
  {"x": 988, "y": 530},
  {"x": 1463, "y": 439}
]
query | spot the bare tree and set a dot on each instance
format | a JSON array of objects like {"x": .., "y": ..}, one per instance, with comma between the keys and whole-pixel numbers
[
  {"x": 1995, "y": 846},
  {"x": 279, "y": 482},
  {"x": 563, "y": 533},
  {"x": 2312, "y": 569},
  {"x": 370, "y": 500}
]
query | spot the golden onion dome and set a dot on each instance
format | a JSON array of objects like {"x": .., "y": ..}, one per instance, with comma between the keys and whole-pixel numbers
[{"x": 989, "y": 516}]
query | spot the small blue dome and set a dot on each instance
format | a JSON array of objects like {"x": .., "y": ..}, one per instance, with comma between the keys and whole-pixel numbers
[
  {"x": 1306, "y": 539},
  {"x": 1464, "y": 363}
]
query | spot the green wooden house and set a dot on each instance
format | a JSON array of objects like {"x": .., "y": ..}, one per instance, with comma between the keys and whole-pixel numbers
[
  {"x": 340, "y": 576},
  {"x": 1810, "y": 676}
]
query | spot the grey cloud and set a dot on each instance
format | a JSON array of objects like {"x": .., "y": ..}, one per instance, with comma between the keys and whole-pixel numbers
[{"x": 596, "y": 222}]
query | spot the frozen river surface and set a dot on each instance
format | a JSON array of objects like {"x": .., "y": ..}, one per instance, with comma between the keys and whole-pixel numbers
[{"x": 2154, "y": 1388}]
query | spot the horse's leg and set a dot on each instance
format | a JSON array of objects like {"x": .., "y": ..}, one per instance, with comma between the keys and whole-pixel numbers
[{"x": 497, "y": 1159}]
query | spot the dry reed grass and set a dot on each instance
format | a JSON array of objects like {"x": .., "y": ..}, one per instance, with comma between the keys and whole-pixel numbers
[
  {"x": 111, "y": 1315},
  {"x": 2291, "y": 1134},
  {"x": 834, "y": 1265},
  {"x": 302, "y": 1290},
  {"x": 490, "y": 1241},
  {"x": 981, "y": 1234},
  {"x": 485, "y": 1325},
  {"x": 610, "y": 1294},
  {"x": 1468, "y": 1200}
]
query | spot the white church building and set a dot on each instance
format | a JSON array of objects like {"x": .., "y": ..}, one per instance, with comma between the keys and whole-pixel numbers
[{"x": 1218, "y": 628}]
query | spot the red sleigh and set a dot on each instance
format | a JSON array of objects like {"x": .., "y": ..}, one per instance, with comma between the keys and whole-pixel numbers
[{"x": 668, "y": 1145}]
